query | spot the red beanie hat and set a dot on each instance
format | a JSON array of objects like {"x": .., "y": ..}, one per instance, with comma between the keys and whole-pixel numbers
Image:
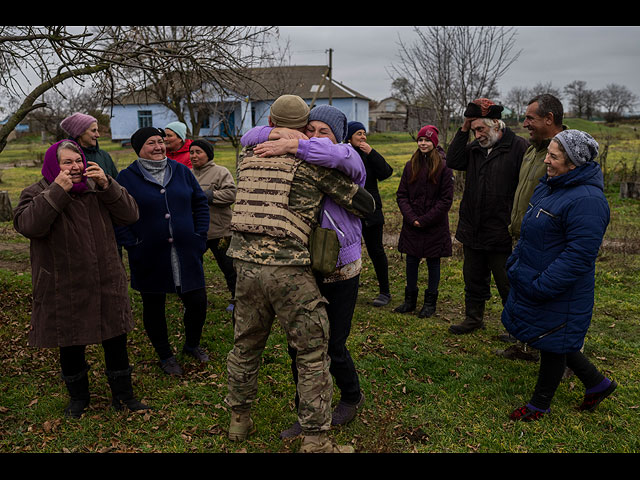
[{"x": 430, "y": 132}]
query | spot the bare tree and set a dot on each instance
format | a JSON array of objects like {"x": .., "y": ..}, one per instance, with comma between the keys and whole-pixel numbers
[
  {"x": 451, "y": 66},
  {"x": 541, "y": 88},
  {"x": 517, "y": 100},
  {"x": 578, "y": 96},
  {"x": 615, "y": 100},
  {"x": 34, "y": 60}
]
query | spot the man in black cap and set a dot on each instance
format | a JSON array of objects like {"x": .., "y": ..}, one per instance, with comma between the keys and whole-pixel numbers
[{"x": 492, "y": 164}]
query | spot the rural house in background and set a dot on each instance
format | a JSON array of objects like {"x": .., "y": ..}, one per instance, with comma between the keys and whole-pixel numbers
[
  {"x": 245, "y": 103},
  {"x": 393, "y": 115}
]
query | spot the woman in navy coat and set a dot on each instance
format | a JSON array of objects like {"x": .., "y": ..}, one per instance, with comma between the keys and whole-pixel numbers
[
  {"x": 165, "y": 246},
  {"x": 552, "y": 271}
]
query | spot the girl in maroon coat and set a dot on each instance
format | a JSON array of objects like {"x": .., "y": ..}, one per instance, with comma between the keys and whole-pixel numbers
[{"x": 425, "y": 195}]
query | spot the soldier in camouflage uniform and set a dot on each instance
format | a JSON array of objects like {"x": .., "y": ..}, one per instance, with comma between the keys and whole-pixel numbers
[{"x": 277, "y": 206}]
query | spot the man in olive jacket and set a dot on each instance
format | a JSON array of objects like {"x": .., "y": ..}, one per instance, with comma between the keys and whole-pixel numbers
[
  {"x": 492, "y": 165},
  {"x": 543, "y": 119}
]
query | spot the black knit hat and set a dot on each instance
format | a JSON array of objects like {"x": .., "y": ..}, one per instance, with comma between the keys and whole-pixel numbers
[
  {"x": 205, "y": 146},
  {"x": 483, "y": 108},
  {"x": 142, "y": 135}
]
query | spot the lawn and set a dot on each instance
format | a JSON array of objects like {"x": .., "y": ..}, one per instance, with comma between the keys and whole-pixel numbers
[{"x": 427, "y": 391}]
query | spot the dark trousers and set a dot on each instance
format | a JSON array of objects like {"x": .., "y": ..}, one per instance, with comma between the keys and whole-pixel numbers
[
  {"x": 342, "y": 298},
  {"x": 155, "y": 322},
  {"x": 225, "y": 263},
  {"x": 552, "y": 367},
  {"x": 72, "y": 358},
  {"x": 375, "y": 249},
  {"x": 477, "y": 268},
  {"x": 433, "y": 269}
]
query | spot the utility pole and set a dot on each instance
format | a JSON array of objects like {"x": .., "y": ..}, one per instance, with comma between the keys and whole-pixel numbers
[{"x": 330, "y": 73}]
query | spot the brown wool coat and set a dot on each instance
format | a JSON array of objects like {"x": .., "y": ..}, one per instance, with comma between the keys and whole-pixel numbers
[
  {"x": 80, "y": 293},
  {"x": 217, "y": 183}
]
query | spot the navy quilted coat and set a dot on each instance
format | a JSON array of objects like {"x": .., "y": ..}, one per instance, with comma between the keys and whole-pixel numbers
[
  {"x": 177, "y": 215},
  {"x": 552, "y": 268}
]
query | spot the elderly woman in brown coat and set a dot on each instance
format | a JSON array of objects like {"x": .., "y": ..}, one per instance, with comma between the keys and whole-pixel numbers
[{"x": 80, "y": 294}]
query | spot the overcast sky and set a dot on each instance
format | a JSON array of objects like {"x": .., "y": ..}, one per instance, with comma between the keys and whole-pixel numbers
[{"x": 362, "y": 55}]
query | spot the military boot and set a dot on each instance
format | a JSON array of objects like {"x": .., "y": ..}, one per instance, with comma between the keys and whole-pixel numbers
[
  {"x": 429, "y": 307},
  {"x": 322, "y": 443},
  {"x": 78, "y": 388},
  {"x": 241, "y": 425},
  {"x": 122, "y": 391},
  {"x": 410, "y": 301},
  {"x": 474, "y": 311}
]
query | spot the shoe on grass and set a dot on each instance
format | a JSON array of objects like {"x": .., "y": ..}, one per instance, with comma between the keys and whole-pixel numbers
[
  {"x": 592, "y": 400},
  {"x": 345, "y": 412},
  {"x": 382, "y": 300}
]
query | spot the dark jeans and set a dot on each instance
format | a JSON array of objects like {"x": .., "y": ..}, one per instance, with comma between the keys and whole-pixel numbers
[
  {"x": 342, "y": 298},
  {"x": 72, "y": 358},
  {"x": 477, "y": 268},
  {"x": 155, "y": 322},
  {"x": 373, "y": 241},
  {"x": 552, "y": 367},
  {"x": 225, "y": 263},
  {"x": 433, "y": 268}
]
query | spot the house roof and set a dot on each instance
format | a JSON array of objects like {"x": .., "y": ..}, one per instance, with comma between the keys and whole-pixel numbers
[{"x": 268, "y": 83}]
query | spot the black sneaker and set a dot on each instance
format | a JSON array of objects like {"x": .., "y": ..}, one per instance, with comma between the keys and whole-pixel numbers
[
  {"x": 171, "y": 367},
  {"x": 382, "y": 300},
  {"x": 197, "y": 352},
  {"x": 345, "y": 412}
]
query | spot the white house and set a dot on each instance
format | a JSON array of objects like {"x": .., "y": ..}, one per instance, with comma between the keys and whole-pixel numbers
[{"x": 246, "y": 103}]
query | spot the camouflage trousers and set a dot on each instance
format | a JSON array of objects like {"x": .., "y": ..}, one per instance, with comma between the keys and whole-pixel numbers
[{"x": 290, "y": 294}]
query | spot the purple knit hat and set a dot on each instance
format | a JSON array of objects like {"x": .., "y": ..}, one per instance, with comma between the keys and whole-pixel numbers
[
  {"x": 51, "y": 167},
  {"x": 77, "y": 124}
]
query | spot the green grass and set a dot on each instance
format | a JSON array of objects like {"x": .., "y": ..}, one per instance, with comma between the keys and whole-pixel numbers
[{"x": 427, "y": 391}]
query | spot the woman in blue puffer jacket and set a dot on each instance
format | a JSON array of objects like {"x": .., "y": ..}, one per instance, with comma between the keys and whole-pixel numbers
[{"x": 552, "y": 271}]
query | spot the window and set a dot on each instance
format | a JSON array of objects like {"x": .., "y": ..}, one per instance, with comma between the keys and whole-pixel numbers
[{"x": 145, "y": 118}]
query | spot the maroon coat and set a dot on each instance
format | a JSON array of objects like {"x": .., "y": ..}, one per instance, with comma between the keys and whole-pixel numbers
[
  {"x": 429, "y": 204},
  {"x": 80, "y": 291}
]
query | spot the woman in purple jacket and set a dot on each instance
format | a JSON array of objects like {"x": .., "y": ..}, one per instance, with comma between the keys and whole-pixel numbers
[{"x": 425, "y": 195}]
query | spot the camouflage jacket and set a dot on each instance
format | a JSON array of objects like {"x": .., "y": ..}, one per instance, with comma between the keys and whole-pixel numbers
[{"x": 309, "y": 186}]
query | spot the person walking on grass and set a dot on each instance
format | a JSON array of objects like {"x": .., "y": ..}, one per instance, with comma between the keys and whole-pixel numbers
[
  {"x": 424, "y": 196},
  {"x": 552, "y": 272}
]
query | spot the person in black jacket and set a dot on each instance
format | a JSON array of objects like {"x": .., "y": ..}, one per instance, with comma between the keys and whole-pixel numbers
[
  {"x": 372, "y": 226},
  {"x": 492, "y": 165}
]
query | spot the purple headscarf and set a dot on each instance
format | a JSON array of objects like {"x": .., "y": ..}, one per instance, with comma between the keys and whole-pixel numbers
[{"x": 51, "y": 167}]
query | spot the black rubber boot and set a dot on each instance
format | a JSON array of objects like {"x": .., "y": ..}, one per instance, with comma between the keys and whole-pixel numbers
[
  {"x": 410, "y": 301},
  {"x": 473, "y": 319},
  {"x": 429, "y": 307},
  {"x": 78, "y": 388},
  {"x": 122, "y": 391}
]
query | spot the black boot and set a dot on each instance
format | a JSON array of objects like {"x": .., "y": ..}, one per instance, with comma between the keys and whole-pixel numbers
[
  {"x": 410, "y": 301},
  {"x": 78, "y": 388},
  {"x": 429, "y": 307},
  {"x": 122, "y": 391},
  {"x": 474, "y": 311}
]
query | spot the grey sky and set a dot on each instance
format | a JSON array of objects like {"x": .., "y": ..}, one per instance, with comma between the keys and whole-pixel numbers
[{"x": 362, "y": 55}]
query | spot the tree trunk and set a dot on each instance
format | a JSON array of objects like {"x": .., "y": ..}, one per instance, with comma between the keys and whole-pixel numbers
[
  {"x": 6, "y": 212},
  {"x": 630, "y": 190}
]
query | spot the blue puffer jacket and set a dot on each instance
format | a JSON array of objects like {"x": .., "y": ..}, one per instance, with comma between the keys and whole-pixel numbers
[
  {"x": 176, "y": 215},
  {"x": 552, "y": 268}
]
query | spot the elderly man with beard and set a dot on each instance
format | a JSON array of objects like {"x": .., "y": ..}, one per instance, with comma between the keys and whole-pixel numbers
[{"x": 492, "y": 165}]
